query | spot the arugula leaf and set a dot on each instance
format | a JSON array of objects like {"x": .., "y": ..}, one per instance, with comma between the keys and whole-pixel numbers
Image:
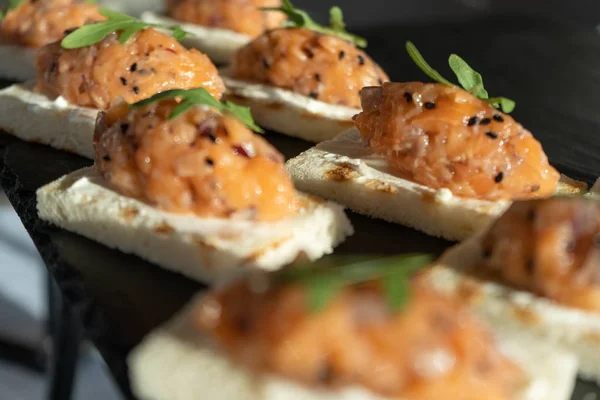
[
  {"x": 12, "y": 4},
  {"x": 325, "y": 278},
  {"x": 300, "y": 19},
  {"x": 88, "y": 35},
  {"x": 200, "y": 96},
  {"x": 469, "y": 79}
]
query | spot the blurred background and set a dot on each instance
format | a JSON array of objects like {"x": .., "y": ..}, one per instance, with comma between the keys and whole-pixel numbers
[{"x": 23, "y": 298}]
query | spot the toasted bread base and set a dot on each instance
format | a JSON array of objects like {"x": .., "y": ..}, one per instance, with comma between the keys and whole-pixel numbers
[
  {"x": 290, "y": 113},
  {"x": 175, "y": 362},
  {"x": 519, "y": 312},
  {"x": 208, "y": 250},
  {"x": 345, "y": 170},
  {"x": 34, "y": 117},
  {"x": 218, "y": 44}
]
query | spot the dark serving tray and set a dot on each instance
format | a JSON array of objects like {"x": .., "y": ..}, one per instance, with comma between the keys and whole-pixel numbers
[{"x": 120, "y": 298}]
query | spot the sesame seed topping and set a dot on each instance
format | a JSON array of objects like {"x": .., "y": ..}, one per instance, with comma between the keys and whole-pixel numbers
[
  {"x": 106, "y": 157},
  {"x": 429, "y": 105},
  {"x": 124, "y": 128},
  {"x": 318, "y": 77},
  {"x": 485, "y": 121},
  {"x": 266, "y": 63},
  {"x": 472, "y": 121},
  {"x": 210, "y": 161},
  {"x": 314, "y": 95},
  {"x": 380, "y": 81},
  {"x": 492, "y": 135},
  {"x": 123, "y": 81},
  {"x": 498, "y": 178},
  {"x": 341, "y": 54},
  {"x": 361, "y": 60},
  {"x": 498, "y": 118},
  {"x": 136, "y": 90},
  {"x": 133, "y": 67},
  {"x": 408, "y": 97}
]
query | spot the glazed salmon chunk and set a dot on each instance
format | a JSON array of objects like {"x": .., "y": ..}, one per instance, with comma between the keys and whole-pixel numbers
[
  {"x": 201, "y": 162},
  {"x": 548, "y": 247},
  {"x": 323, "y": 67},
  {"x": 149, "y": 63},
  {"x": 444, "y": 137},
  {"x": 431, "y": 349},
  {"x": 242, "y": 16},
  {"x": 37, "y": 23}
]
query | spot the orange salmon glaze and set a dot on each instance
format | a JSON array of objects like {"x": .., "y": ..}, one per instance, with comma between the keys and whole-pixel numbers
[
  {"x": 242, "y": 16},
  {"x": 548, "y": 247},
  {"x": 432, "y": 349},
  {"x": 149, "y": 63},
  {"x": 37, "y": 23},
  {"x": 444, "y": 137},
  {"x": 201, "y": 162},
  {"x": 324, "y": 67}
]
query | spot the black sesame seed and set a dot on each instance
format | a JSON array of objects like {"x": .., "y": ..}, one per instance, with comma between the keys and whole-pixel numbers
[
  {"x": 210, "y": 161},
  {"x": 341, "y": 55},
  {"x": 133, "y": 67},
  {"x": 472, "y": 121},
  {"x": 124, "y": 81},
  {"x": 308, "y": 52},
  {"x": 326, "y": 373},
  {"x": 361, "y": 60},
  {"x": 266, "y": 63},
  {"x": 318, "y": 77},
  {"x": 485, "y": 121},
  {"x": 106, "y": 158},
  {"x": 314, "y": 95},
  {"x": 498, "y": 118},
  {"x": 492, "y": 135},
  {"x": 53, "y": 67},
  {"x": 408, "y": 97},
  {"x": 380, "y": 81},
  {"x": 429, "y": 105},
  {"x": 136, "y": 90},
  {"x": 498, "y": 178},
  {"x": 124, "y": 128},
  {"x": 530, "y": 266}
]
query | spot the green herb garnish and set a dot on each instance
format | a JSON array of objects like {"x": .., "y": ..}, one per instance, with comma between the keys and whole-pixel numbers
[
  {"x": 200, "y": 96},
  {"x": 10, "y": 5},
  {"x": 128, "y": 26},
  {"x": 325, "y": 278},
  {"x": 469, "y": 79},
  {"x": 300, "y": 19}
]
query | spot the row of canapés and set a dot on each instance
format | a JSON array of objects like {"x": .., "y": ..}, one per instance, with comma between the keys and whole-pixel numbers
[{"x": 181, "y": 179}]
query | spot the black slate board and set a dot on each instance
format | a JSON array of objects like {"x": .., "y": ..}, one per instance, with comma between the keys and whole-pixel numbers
[{"x": 120, "y": 298}]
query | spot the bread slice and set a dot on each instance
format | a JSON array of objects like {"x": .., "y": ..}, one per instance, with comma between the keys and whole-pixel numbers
[
  {"x": 517, "y": 311},
  {"x": 204, "y": 249},
  {"x": 175, "y": 362},
  {"x": 34, "y": 117},
  {"x": 218, "y": 44},
  {"x": 345, "y": 170},
  {"x": 18, "y": 62},
  {"x": 290, "y": 113}
]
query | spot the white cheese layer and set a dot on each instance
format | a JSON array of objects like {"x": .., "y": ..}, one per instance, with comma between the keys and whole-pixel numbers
[
  {"x": 345, "y": 170},
  {"x": 519, "y": 312},
  {"x": 218, "y": 44},
  {"x": 290, "y": 113},
  {"x": 17, "y": 62},
  {"x": 176, "y": 363},
  {"x": 201, "y": 248},
  {"x": 34, "y": 117}
]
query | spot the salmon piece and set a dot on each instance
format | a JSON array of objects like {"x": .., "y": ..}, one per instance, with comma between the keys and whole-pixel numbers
[
  {"x": 548, "y": 247},
  {"x": 201, "y": 162},
  {"x": 324, "y": 67},
  {"x": 444, "y": 137},
  {"x": 242, "y": 16},
  {"x": 431, "y": 349},
  {"x": 37, "y": 23},
  {"x": 149, "y": 63}
]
